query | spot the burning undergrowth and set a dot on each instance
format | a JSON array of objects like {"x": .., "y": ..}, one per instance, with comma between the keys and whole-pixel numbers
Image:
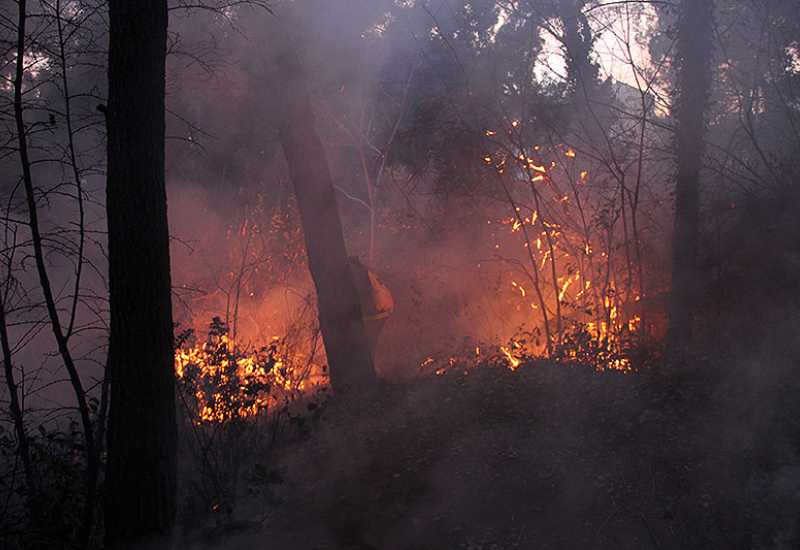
[
  {"x": 547, "y": 264},
  {"x": 235, "y": 400},
  {"x": 246, "y": 273},
  {"x": 560, "y": 279},
  {"x": 580, "y": 347},
  {"x": 221, "y": 381}
]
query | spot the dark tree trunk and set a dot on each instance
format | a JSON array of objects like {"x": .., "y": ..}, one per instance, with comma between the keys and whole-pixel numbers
[
  {"x": 15, "y": 408},
  {"x": 342, "y": 327},
  {"x": 694, "y": 52},
  {"x": 141, "y": 473},
  {"x": 578, "y": 43}
]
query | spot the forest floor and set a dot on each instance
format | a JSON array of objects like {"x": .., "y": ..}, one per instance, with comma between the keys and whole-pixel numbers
[{"x": 548, "y": 456}]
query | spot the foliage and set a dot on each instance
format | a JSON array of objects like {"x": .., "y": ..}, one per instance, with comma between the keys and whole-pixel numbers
[
  {"x": 219, "y": 381},
  {"x": 58, "y": 451},
  {"x": 237, "y": 404}
]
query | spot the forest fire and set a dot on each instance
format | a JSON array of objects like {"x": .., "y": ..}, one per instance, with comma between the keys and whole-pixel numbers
[
  {"x": 584, "y": 301},
  {"x": 221, "y": 381},
  {"x": 574, "y": 291},
  {"x": 399, "y": 274}
]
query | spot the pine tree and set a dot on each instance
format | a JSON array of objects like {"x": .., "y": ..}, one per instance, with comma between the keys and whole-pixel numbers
[{"x": 141, "y": 474}]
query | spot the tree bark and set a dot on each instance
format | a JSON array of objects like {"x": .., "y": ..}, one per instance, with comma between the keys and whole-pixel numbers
[
  {"x": 141, "y": 474},
  {"x": 346, "y": 345},
  {"x": 694, "y": 52}
]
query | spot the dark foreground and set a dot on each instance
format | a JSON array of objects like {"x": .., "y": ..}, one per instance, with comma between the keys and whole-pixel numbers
[{"x": 545, "y": 457}]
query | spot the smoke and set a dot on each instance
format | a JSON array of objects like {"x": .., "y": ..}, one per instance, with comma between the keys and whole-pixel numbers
[
  {"x": 542, "y": 457},
  {"x": 439, "y": 257},
  {"x": 549, "y": 444}
]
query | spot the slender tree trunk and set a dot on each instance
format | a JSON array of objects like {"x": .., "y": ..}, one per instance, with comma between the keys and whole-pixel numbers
[
  {"x": 60, "y": 336},
  {"x": 15, "y": 408},
  {"x": 342, "y": 327},
  {"x": 73, "y": 164},
  {"x": 141, "y": 474},
  {"x": 694, "y": 52}
]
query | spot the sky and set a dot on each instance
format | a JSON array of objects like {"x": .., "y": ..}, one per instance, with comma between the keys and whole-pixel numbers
[{"x": 613, "y": 29}]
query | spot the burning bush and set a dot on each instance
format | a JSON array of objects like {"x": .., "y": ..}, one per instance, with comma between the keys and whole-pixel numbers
[
  {"x": 220, "y": 381},
  {"x": 237, "y": 400}
]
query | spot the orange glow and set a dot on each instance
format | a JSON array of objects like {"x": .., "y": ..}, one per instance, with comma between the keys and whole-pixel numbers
[
  {"x": 226, "y": 382},
  {"x": 513, "y": 362}
]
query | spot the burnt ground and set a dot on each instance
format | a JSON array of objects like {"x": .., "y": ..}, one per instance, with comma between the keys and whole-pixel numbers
[{"x": 548, "y": 456}]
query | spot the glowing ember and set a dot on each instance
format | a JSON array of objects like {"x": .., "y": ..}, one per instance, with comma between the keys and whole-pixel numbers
[
  {"x": 513, "y": 362},
  {"x": 578, "y": 308}
]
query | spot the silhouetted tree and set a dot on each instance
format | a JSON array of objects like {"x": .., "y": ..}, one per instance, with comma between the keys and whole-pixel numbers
[
  {"x": 141, "y": 478},
  {"x": 342, "y": 327},
  {"x": 693, "y": 58},
  {"x": 577, "y": 41},
  {"x": 61, "y": 332}
]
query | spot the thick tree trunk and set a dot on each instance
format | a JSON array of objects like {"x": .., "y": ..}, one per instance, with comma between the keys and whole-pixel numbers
[
  {"x": 342, "y": 327},
  {"x": 694, "y": 52},
  {"x": 141, "y": 473}
]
